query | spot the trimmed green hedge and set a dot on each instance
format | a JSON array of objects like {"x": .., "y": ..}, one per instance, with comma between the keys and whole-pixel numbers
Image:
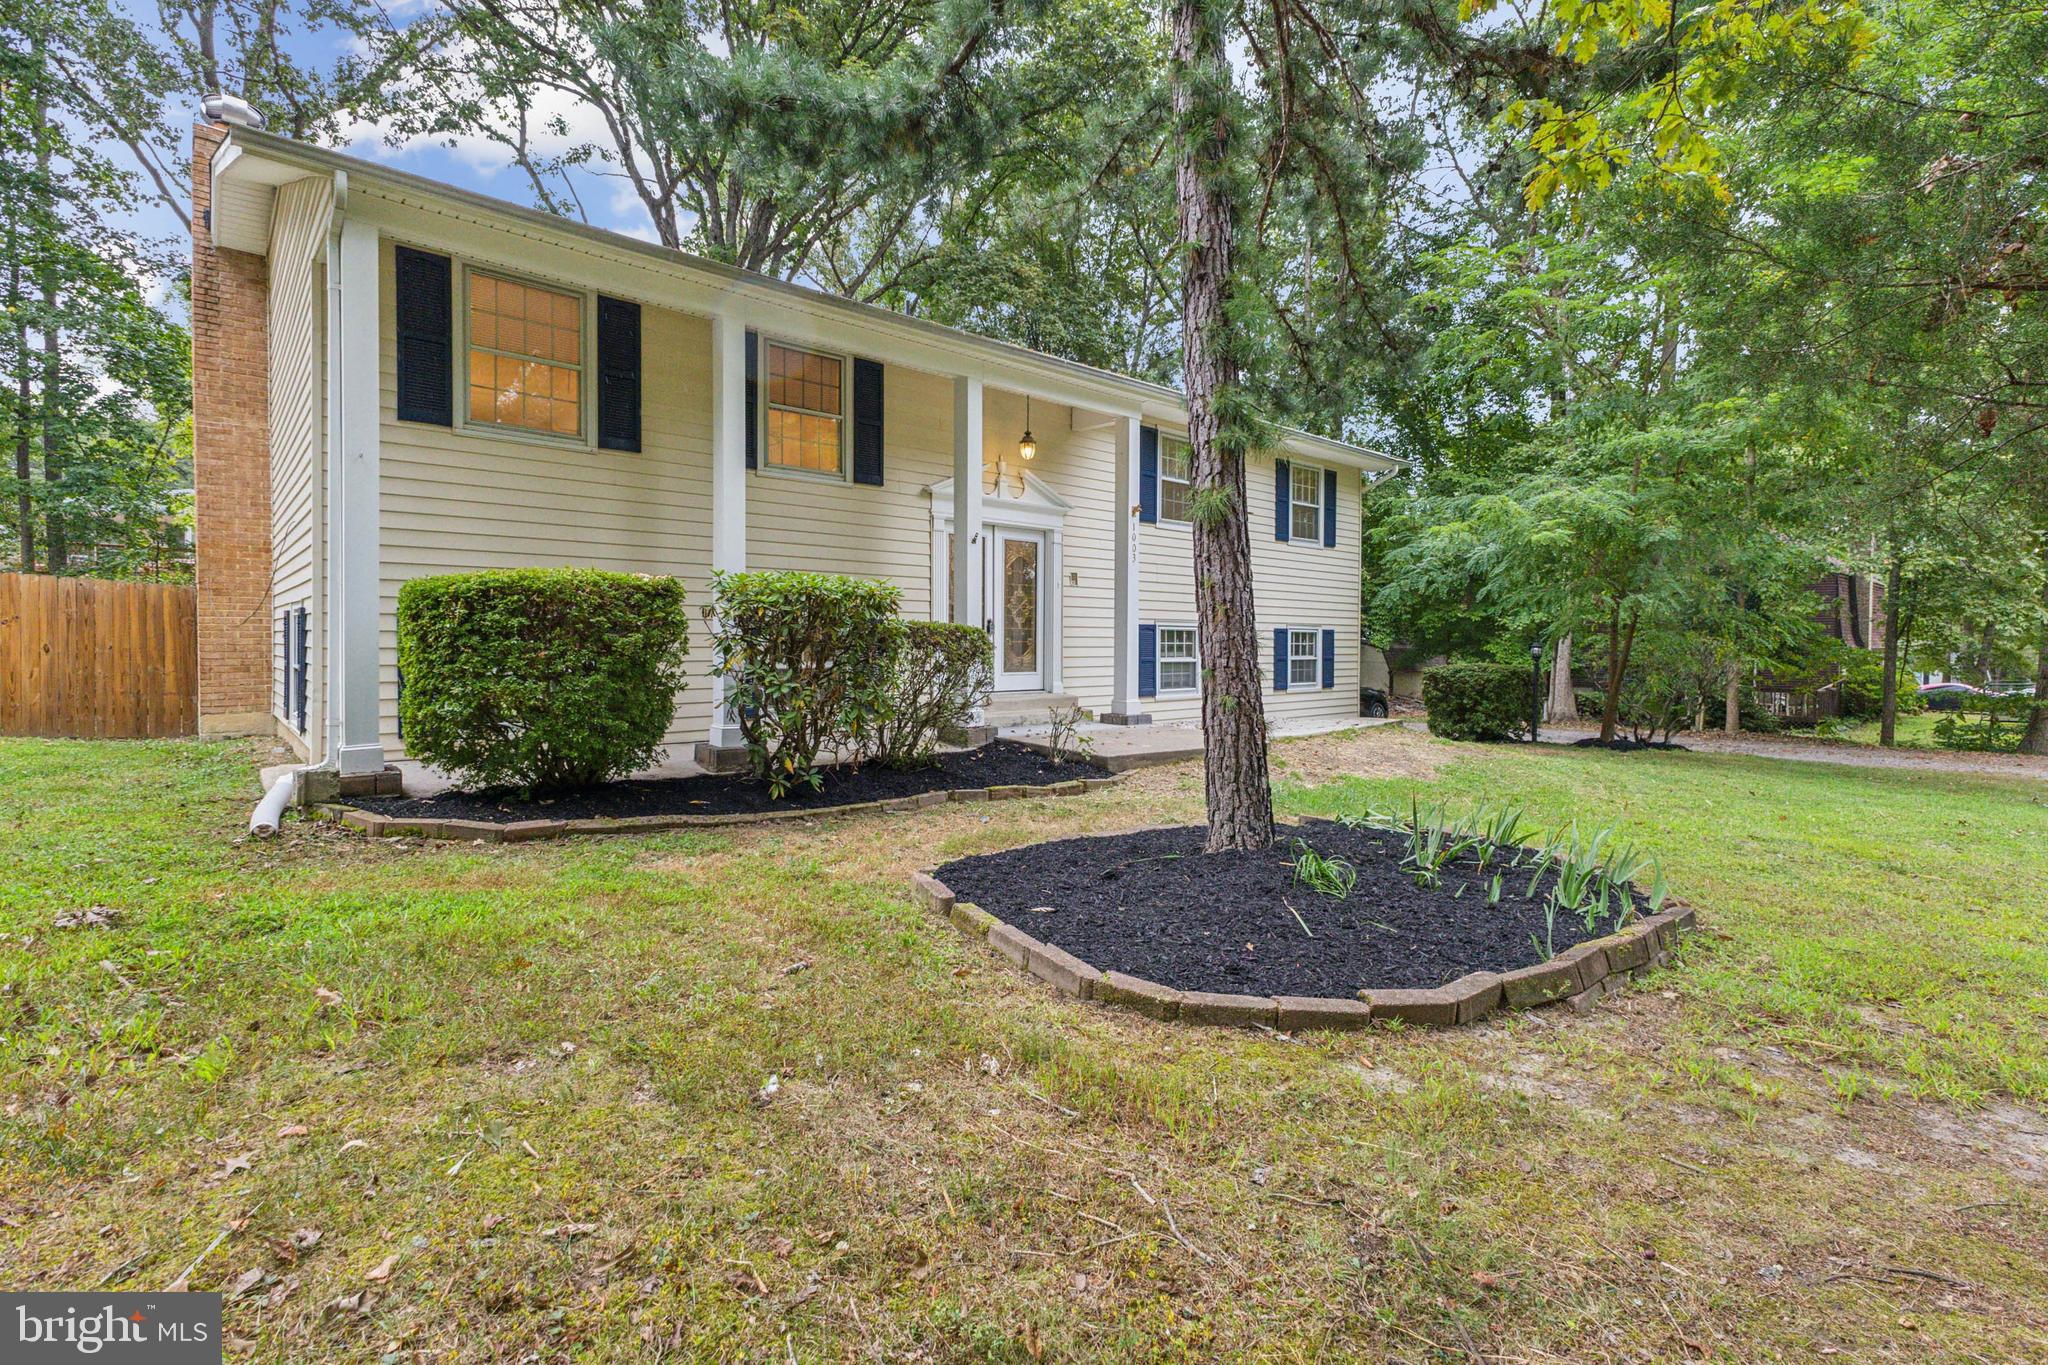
[
  {"x": 539, "y": 679},
  {"x": 808, "y": 660},
  {"x": 1475, "y": 700}
]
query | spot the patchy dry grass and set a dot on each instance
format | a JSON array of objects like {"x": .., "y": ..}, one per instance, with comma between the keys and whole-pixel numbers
[{"x": 527, "y": 1076}]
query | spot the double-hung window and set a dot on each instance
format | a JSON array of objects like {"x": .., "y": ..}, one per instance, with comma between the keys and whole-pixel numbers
[
  {"x": 1180, "y": 668},
  {"x": 1304, "y": 658},
  {"x": 1305, "y": 494},
  {"x": 1176, "y": 482},
  {"x": 525, "y": 356},
  {"x": 806, "y": 411}
]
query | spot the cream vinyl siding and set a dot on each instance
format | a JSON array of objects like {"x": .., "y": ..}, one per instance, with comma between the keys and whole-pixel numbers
[
  {"x": 297, "y": 421},
  {"x": 1080, "y": 468},
  {"x": 1295, "y": 584},
  {"x": 455, "y": 499},
  {"x": 826, "y": 524}
]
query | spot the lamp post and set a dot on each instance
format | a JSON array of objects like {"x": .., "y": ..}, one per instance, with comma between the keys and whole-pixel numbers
[{"x": 1535, "y": 687}]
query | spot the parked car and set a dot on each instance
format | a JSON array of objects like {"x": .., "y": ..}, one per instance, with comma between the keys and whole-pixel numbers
[
  {"x": 1372, "y": 702},
  {"x": 1949, "y": 696}
]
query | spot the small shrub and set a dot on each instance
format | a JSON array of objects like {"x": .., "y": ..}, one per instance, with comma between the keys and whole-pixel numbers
[
  {"x": 1863, "y": 687},
  {"x": 539, "y": 679},
  {"x": 943, "y": 674},
  {"x": 808, "y": 659},
  {"x": 1064, "y": 737},
  {"x": 1476, "y": 700}
]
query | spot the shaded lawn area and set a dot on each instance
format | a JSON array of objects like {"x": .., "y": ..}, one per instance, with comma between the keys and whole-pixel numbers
[{"x": 530, "y": 1127}]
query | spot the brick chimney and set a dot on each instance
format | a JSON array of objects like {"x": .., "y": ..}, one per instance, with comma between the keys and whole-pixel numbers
[{"x": 230, "y": 467}]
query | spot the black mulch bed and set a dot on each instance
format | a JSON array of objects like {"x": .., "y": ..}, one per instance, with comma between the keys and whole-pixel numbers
[
  {"x": 1001, "y": 764},
  {"x": 1154, "y": 905},
  {"x": 1628, "y": 746}
]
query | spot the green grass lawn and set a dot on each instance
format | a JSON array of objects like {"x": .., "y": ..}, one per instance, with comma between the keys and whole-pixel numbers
[
  {"x": 1909, "y": 732},
  {"x": 407, "y": 1101}
]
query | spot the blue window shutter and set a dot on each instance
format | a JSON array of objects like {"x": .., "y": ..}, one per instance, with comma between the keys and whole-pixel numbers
[
  {"x": 424, "y": 300},
  {"x": 1329, "y": 658},
  {"x": 1148, "y": 660},
  {"x": 1283, "y": 506},
  {"x": 1329, "y": 510},
  {"x": 753, "y": 400},
  {"x": 1280, "y": 656},
  {"x": 1148, "y": 474},
  {"x": 401, "y": 706},
  {"x": 618, "y": 374},
  {"x": 867, "y": 422}
]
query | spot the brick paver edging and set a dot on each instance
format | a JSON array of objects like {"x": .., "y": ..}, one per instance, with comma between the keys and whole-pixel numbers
[
  {"x": 1579, "y": 976},
  {"x": 524, "y": 831}
]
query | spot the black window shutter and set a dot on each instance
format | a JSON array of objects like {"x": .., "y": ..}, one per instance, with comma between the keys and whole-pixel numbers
[
  {"x": 426, "y": 349},
  {"x": 618, "y": 374},
  {"x": 867, "y": 422},
  {"x": 1283, "y": 494},
  {"x": 1329, "y": 658},
  {"x": 753, "y": 400},
  {"x": 1148, "y": 474},
  {"x": 1280, "y": 656},
  {"x": 1329, "y": 510},
  {"x": 284, "y": 660},
  {"x": 299, "y": 668},
  {"x": 1148, "y": 660}
]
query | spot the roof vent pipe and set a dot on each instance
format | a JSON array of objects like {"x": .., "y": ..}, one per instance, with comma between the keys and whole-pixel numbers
[{"x": 231, "y": 109}]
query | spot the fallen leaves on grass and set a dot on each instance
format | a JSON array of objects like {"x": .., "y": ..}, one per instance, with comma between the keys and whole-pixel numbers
[
  {"x": 382, "y": 1270},
  {"x": 92, "y": 917}
]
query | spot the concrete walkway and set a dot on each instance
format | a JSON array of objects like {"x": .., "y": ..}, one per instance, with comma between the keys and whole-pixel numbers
[{"x": 1121, "y": 747}]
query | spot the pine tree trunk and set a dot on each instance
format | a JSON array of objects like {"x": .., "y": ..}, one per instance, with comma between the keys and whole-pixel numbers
[
  {"x": 1240, "y": 794},
  {"x": 1888, "y": 714},
  {"x": 1563, "y": 706},
  {"x": 1731, "y": 706}
]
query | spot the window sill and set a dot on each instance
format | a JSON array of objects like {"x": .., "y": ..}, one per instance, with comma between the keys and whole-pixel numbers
[{"x": 485, "y": 431}]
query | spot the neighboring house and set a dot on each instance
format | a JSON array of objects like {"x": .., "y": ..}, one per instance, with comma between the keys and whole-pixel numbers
[
  {"x": 394, "y": 377},
  {"x": 1852, "y": 611}
]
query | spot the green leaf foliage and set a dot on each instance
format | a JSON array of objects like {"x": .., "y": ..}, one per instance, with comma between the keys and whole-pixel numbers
[
  {"x": 809, "y": 661},
  {"x": 539, "y": 679},
  {"x": 1476, "y": 700},
  {"x": 943, "y": 675}
]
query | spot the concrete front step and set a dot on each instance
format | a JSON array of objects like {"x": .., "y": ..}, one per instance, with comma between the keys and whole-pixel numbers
[{"x": 1024, "y": 708}]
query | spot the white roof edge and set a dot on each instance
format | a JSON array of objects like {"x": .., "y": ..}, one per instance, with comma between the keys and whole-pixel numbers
[{"x": 321, "y": 160}]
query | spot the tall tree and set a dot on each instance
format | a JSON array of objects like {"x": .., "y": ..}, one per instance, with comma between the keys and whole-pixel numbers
[
  {"x": 96, "y": 386},
  {"x": 814, "y": 141}
]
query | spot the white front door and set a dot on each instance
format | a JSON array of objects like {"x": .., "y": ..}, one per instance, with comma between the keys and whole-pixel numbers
[{"x": 1015, "y": 593}]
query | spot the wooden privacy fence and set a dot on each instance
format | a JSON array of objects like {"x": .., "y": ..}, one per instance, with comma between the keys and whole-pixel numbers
[{"x": 87, "y": 658}]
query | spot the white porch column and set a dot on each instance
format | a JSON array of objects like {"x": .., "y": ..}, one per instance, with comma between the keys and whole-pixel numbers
[
  {"x": 1126, "y": 708},
  {"x": 728, "y": 484},
  {"x": 354, "y": 534},
  {"x": 967, "y": 456}
]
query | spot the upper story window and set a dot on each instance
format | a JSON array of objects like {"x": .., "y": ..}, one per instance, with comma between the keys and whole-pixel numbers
[
  {"x": 806, "y": 410},
  {"x": 1305, "y": 492},
  {"x": 1176, "y": 482},
  {"x": 525, "y": 356},
  {"x": 1304, "y": 658}
]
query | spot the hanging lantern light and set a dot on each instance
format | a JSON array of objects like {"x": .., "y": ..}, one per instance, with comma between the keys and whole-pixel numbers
[{"x": 1027, "y": 449}]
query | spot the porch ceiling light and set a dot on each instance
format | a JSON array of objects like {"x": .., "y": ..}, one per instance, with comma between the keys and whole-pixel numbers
[{"x": 1027, "y": 449}]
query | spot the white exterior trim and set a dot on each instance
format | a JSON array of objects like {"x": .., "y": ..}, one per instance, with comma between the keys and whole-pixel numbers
[
  {"x": 354, "y": 744},
  {"x": 1125, "y": 702},
  {"x": 728, "y": 485}
]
